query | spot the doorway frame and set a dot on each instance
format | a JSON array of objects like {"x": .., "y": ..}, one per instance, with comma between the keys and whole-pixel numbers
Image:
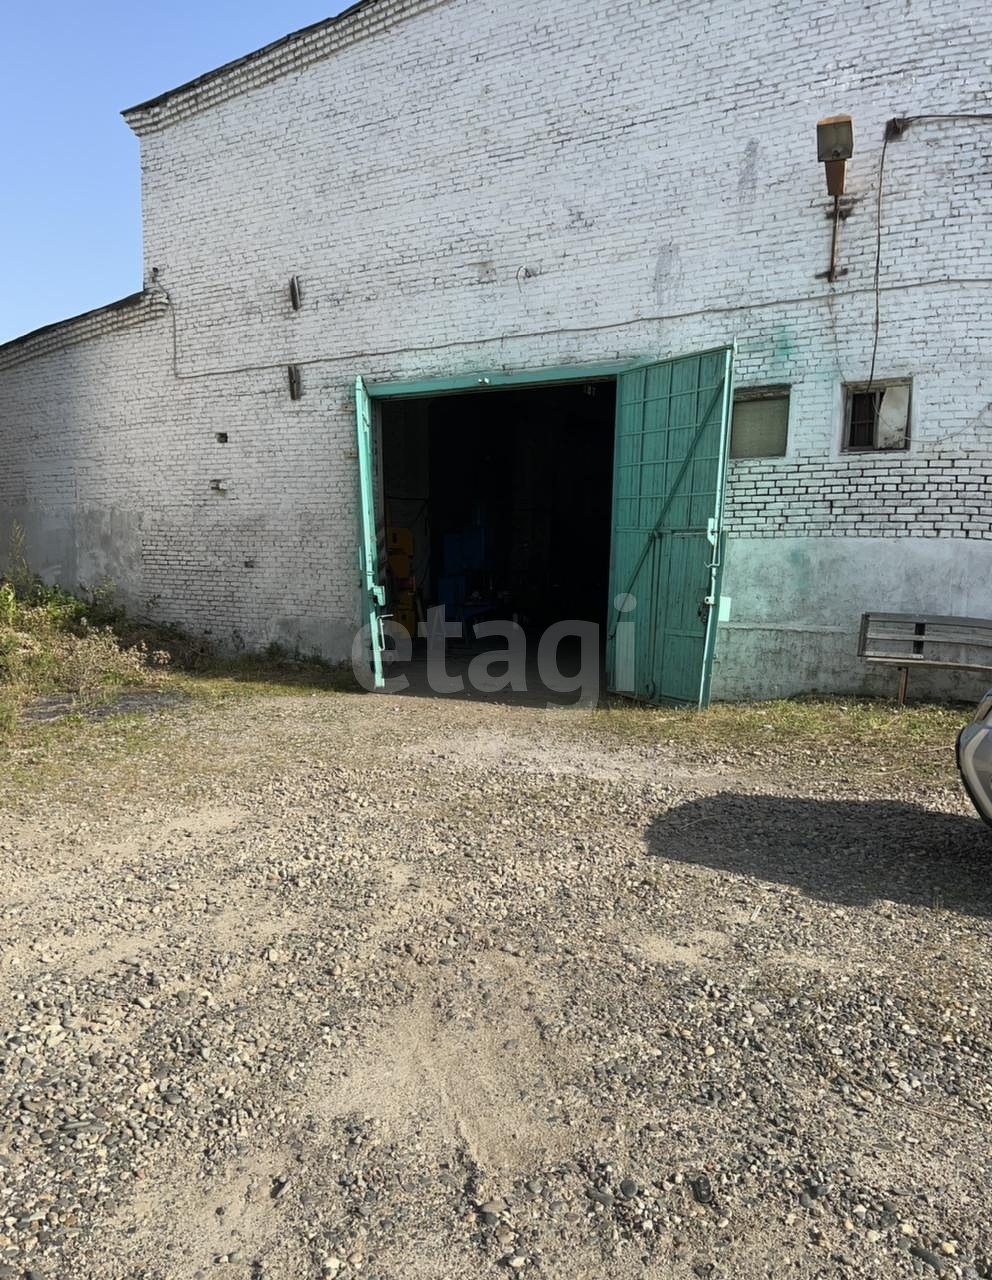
[{"x": 426, "y": 388}]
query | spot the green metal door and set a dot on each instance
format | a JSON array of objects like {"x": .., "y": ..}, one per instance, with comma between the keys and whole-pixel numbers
[
  {"x": 373, "y": 593},
  {"x": 672, "y": 434}
]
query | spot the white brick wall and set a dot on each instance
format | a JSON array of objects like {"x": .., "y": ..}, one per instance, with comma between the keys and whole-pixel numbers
[{"x": 466, "y": 186}]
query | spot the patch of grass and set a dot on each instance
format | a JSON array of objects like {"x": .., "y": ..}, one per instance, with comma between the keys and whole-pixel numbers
[
  {"x": 67, "y": 752},
  {"x": 79, "y": 761},
  {"x": 786, "y": 721},
  {"x": 836, "y": 733},
  {"x": 84, "y": 651},
  {"x": 8, "y": 714},
  {"x": 268, "y": 673}
]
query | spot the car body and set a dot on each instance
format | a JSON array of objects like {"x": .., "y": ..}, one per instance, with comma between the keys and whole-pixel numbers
[{"x": 974, "y": 752}]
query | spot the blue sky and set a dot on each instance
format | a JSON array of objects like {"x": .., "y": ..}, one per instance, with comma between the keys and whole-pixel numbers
[{"x": 70, "y": 217}]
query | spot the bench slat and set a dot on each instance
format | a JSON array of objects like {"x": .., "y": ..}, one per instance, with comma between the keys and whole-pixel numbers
[
  {"x": 918, "y": 660},
  {"x": 962, "y": 638},
  {"x": 931, "y": 619}
]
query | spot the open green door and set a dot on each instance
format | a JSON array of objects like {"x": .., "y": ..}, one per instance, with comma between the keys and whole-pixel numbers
[
  {"x": 670, "y": 465},
  {"x": 373, "y": 593}
]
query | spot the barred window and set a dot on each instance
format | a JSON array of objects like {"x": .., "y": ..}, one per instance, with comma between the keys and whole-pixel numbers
[{"x": 876, "y": 417}]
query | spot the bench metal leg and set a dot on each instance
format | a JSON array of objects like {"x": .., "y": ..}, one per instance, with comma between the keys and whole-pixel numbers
[{"x": 903, "y": 682}]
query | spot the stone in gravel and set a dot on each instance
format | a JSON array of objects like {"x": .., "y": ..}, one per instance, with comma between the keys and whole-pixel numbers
[
  {"x": 628, "y": 1188},
  {"x": 701, "y": 1189},
  {"x": 925, "y": 1256},
  {"x": 600, "y": 1197}
]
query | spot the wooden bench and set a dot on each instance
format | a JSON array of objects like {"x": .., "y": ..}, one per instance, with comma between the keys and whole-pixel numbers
[{"x": 907, "y": 640}]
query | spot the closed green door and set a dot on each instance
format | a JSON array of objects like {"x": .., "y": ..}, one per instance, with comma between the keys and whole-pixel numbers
[{"x": 672, "y": 435}]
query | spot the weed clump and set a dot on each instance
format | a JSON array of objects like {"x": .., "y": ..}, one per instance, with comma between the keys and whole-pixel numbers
[{"x": 53, "y": 643}]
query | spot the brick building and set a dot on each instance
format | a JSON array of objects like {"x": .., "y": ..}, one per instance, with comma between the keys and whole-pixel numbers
[{"x": 491, "y": 214}]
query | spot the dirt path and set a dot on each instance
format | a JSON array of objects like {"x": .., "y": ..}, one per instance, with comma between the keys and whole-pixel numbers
[{"x": 360, "y": 987}]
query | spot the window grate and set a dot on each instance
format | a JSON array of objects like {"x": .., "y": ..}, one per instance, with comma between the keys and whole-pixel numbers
[
  {"x": 877, "y": 418},
  {"x": 864, "y": 417}
]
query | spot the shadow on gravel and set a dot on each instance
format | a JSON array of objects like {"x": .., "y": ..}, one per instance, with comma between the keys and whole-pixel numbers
[
  {"x": 843, "y": 851},
  {"x": 458, "y": 661}
]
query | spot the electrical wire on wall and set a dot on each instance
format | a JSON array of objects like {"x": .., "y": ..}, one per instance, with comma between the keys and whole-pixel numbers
[
  {"x": 831, "y": 298},
  {"x": 876, "y": 285},
  {"x": 352, "y": 358},
  {"x": 895, "y": 128}
]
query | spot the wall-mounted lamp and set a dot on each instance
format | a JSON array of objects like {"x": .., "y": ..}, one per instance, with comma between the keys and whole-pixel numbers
[
  {"x": 295, "y": 293},
  {"x": 295, "y": 381},
  {"x": 834, "y": 147}
]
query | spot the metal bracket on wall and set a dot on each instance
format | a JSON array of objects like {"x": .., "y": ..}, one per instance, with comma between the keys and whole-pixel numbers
[
  {"x": 846, "y": 206},
  {"x": 839, "y": 210}
]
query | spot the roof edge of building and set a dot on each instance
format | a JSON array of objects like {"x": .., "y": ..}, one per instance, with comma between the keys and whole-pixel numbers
[
  {"x": 123, "y": 313},
  {"x": 290, "y": 53}
]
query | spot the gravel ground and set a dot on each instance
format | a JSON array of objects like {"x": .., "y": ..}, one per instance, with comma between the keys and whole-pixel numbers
[{"x": 366, "y": 987}]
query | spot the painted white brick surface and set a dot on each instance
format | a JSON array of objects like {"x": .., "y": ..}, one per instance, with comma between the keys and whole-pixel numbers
[{"x": 468, "y": 186}]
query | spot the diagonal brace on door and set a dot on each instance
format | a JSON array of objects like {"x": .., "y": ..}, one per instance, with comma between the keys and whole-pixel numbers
[{"x": 672, "y": 494}]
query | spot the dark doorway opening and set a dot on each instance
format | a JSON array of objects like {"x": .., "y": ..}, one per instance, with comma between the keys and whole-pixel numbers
[{"x": 498, "y": 505}]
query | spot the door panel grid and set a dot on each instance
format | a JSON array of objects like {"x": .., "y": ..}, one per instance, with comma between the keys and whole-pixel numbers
[{"x": 669, "y": 480}]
